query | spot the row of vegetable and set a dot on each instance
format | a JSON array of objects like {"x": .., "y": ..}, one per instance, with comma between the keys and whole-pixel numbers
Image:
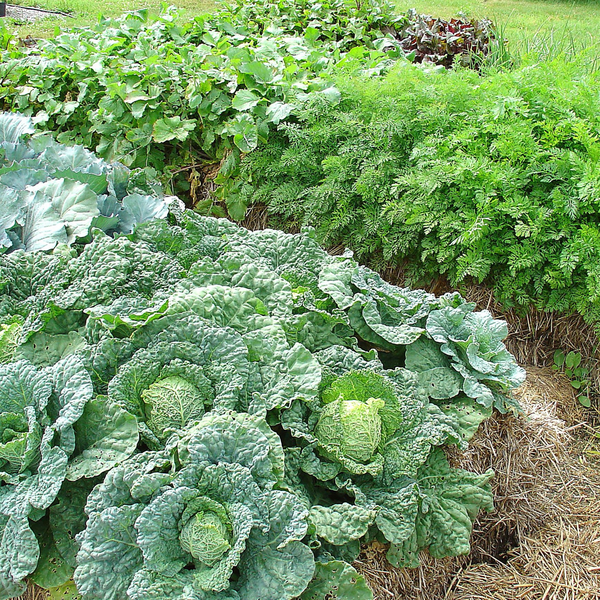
[
  {"x": 153, "y": 92},
  {"x": 194, "y": 410},
  {"x": 449, "y": 174}
]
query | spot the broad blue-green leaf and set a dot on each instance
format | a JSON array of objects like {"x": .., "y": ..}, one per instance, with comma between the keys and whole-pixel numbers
[
  {"x": 43, "y": 349},
  {"x": 43, "y": 228},
  {"x": 13, "y": 127},
  {"x": 105, "y": 435},
  {"x": 20, "y": 179},
  {"x": 108, "y": 558},
  {"x": 468, "y": 413},
  {"x": 23, "y": 385},
  {"x": 73, "y": 389},
  {"x": 19, "y": 554},
  {"x": 40, "y": 490},
  {"x": 275, "y": 565},
  {"x": 449, "y": 502},
  {"x": 238, "y": 308},
  {"x": 441, "y": 382},
  {"x": 276, "y": 574},
  {"x": 149, "y": 585},
  {"x": 234, "y": 439},
  {"x": 73, "y": 203},
  {"x": 396, "y": 506},
  {"x": 473, "y": 342},
  {"x": 140, "y": 209},
  {"x": 340, "y": 523}
]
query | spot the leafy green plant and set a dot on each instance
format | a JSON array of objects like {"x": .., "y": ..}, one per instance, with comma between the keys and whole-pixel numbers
[
  {"x": 217, "y": 509},
  {"x": 262, "y": 408},
  {"x": 447, "y": 173},
  {"x": 53, "y": 194},
  {"x": 7, "y": 39},
  {"x": 150, "y": 92},
  {"x": 438, "y": 41},
  {"x": 49, "y": 425},
  {"x": 578, "y": 374}
]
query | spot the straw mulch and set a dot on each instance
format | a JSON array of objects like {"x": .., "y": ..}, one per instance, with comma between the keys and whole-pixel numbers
[
  {"x": 34, "y": 593},
  {"x": 543, "y": 540}
]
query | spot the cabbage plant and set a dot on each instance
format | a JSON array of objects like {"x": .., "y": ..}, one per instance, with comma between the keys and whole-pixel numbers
[
  {"x": 53, "y": 194},
  {"x": 205, "y": 522},
  {"x": 52, "y": 429},
  {"x": 257, "y": 409}
]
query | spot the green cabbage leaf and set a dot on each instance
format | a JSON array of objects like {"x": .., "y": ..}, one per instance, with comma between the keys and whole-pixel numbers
[{"x": 181, "y": 526}]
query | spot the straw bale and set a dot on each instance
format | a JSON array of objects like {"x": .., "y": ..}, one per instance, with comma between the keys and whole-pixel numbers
[{"x": 559, "y": 562}]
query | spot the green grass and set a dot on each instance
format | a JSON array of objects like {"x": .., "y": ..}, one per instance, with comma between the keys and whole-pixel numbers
[
  {"x": 85, "y": 12},
  {"x": 547, "y": 27}
]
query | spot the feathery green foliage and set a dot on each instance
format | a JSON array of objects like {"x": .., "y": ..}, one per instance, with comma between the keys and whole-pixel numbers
[{"x": 492, "y": 178}]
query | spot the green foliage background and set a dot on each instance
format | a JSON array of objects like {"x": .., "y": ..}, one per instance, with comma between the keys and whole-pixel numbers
[{"x": 492, "y": 178}]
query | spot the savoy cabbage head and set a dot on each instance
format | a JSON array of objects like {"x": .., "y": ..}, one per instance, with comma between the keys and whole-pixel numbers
[
  {"x": 205, "y": 522},
  {"x": 255, "y": 410}
]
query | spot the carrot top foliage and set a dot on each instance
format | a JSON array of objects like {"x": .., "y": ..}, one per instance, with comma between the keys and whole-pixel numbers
[{"x": 491, "y": 178}]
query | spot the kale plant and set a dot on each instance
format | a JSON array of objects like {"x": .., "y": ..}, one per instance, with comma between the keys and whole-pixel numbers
[{"x": 254, "y": 410}]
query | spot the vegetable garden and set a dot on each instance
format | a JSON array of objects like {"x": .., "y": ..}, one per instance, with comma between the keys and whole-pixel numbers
[{"x": 195, "y": 410}]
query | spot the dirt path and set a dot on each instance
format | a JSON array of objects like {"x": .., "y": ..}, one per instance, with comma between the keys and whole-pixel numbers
[{"x": 24, "y": 13}]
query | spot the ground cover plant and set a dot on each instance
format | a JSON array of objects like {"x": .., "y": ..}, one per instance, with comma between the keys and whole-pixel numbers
[
  {"x": 154, "y": 93},
  {"x": 270, "y": 408},
  {"x": 492, "y": 179}
]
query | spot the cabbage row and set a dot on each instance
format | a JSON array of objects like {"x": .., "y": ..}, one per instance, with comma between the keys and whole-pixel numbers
[
  {"x": 52, "y": 193},
  {"x": 196, "y": 411}
]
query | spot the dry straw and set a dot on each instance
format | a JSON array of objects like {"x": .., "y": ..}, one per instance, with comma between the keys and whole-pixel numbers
[{"x": 543, "y": 540}]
